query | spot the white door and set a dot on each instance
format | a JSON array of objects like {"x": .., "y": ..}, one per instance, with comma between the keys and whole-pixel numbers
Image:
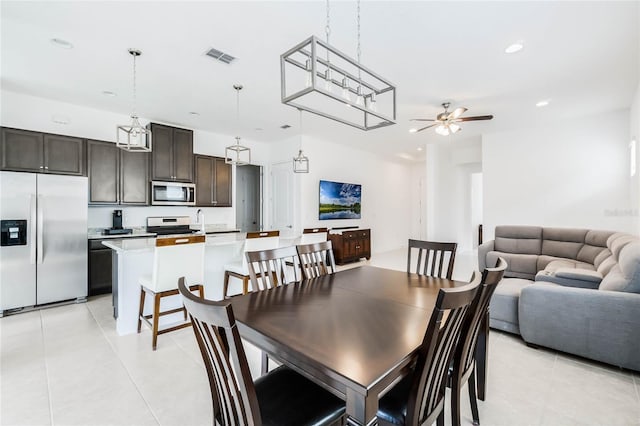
[{"x": 282, "y": 197}]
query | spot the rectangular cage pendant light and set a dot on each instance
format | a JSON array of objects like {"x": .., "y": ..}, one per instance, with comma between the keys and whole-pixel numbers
[{"x": 318, "y": 78}]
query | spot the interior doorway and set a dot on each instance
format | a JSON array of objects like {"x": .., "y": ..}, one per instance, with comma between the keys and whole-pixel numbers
[
  {"x": 249, "y": 198},
  {"x": 282, "y": 197}
]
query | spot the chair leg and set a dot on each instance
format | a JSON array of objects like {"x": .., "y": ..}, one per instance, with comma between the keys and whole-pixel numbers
[
  {"x": 201, "y": 291},
  {"x": 265, "y": 364},
  {"x": 141, "y": 310},
  {"x": 245, "y": 285},
  {"x": 156, "y": 318},
  {"x": 455, "y": 401},
  {"x": 225, "y": 286},
  {"x": 472, "y": 398},
  {"x": 440, "y": 420}
]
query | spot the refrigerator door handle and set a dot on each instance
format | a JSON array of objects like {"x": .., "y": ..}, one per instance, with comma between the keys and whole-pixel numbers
[
  {"x": 40, "y": 229},
  {"x": 32, "y": 225}
]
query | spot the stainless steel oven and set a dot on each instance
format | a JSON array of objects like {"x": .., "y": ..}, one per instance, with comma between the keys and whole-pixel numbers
[{"x": 173, "y": 194}]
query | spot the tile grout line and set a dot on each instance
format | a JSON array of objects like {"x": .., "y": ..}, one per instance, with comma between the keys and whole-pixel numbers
[
  {"x": 104, "y": 335},
  {"x": 46, "y": 369}
]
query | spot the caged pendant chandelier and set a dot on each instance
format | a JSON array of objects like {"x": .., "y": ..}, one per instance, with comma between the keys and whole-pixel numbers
[
  {"x": 237, "y": 154},
  {"x": 134, "y": 137},
  {"x": 318, "y": 78},
  {"x": 301, "y": 162}
]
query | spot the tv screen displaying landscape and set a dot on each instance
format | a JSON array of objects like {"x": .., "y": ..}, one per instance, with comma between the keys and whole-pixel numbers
[{"x": 339, "y": 200}]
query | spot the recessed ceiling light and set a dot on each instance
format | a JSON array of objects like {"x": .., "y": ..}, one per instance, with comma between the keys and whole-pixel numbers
[
  {"x": 413, "y": 130},
  {"x": 258, "y": 129},
  {"x": 194, "y": 113},
  {"x": 514, "y": 47},
  {"x": 60, "y": 119},
  {"x": 543, "y": 103},
  {"x": 285, "y": 126},
  {"x": 108, "y": 93},
  {"x": 419, "y": 148},
  {"x": 62, "y": 43}
]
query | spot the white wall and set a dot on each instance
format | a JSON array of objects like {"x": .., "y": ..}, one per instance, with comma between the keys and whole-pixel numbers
[
  {"x": 569, "y": 174},
  {"x": 634, "y": 133},
  {"x": 35, "y": 113},
  {"x": 450, "y": 164},
  {"x": 386, "y": 189}
]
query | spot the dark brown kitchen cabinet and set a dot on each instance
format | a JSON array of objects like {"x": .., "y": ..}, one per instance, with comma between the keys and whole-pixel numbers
[
  {"x": 171, "y": 154},
  {"x": 24, "y": 150},
  {"x": 117, "y": 176},
  {"x": 100, "y": 268},
  {"x": 350, "y": 246},
  {"x": 213, "y": 181}
]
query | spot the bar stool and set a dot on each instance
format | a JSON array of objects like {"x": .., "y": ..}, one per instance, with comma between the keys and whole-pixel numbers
[
  {"x": 174, "y": 257},
  {"x": 313, "y": 235},
  {"x": 255, "y": 241}
]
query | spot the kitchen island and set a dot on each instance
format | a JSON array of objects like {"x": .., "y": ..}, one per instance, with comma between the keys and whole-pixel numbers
[{"x": 133, "y": 258}]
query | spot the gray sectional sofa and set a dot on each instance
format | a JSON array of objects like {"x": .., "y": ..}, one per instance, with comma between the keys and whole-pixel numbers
[{"x": 574, "y": 290}]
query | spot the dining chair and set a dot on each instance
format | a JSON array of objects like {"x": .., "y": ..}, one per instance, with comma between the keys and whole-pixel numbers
[
  {"x": 316, "y": 259},
  {"x": 431, "y": 257},
  {"x": 174, "y": 257},
  {"x": 418, "y": 399},
  {"x": 254, "y": 241},
  {"x": 313, "y": 235},
  {"x": 282, "y": 397},
  {"x": 463, "y": 370},
  {"x": 269, "y": 269}
]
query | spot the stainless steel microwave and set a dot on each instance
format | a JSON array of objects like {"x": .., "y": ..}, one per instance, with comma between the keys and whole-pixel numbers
[{"x": 173, "y": 194}]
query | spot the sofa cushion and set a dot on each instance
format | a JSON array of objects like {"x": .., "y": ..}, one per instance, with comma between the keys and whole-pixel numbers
[
  {"x": 579, "y": 274},
  {"x": 562, "y": 242},
  {"x": 553, "y": 266},
  {"x": 520, "y": 265},
  {"x": 626, "y": 275},
  {"x": 568, "y": 278},
  {"x": 604, "y": 255},
  {"x": 504, "y": 302},
  {"x": 518, "y": 239},
  {"x": 617, "y": 244},
  {"x": 606, "y": 265}
]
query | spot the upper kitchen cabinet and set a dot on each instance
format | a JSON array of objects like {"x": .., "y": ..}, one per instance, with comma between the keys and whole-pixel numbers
[
  {"x": 213, "y": 182},
  {"x": 172, "y": 153},
  {"x": 117, "y": 176},
  {"x": 28, "y": 151}
]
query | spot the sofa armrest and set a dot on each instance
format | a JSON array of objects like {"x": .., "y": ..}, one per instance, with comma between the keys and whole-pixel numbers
[
  {"x": 601, "y": 325},
  {"x": 483, "y": 249}
]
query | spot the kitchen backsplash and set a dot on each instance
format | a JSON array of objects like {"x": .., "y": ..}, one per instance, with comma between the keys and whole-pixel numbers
[{"x": 100, "y": 217}]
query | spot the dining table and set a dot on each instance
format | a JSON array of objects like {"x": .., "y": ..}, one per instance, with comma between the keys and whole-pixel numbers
[{"x": 355, "y": 332}]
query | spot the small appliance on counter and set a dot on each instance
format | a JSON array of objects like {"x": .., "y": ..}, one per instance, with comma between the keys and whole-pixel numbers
[
  {"x": 116, "y": 227},
  {"x": 168, "y": 225}
]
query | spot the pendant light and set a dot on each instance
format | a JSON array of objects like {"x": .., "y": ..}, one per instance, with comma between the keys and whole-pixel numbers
[
  {"x": 134, "y": 137},
  {"x": 237, "y": 154},
  {"x": 300, "y": 163}
]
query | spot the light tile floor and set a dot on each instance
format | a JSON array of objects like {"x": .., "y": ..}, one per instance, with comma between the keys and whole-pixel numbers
[{"x": 67, "y": 366}]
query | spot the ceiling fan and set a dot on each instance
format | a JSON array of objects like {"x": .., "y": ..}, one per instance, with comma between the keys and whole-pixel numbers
[{"x": 447, "y": 122}]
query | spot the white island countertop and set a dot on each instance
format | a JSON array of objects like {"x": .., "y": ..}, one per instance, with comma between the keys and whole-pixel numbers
[{"x": 128, "y": 245}]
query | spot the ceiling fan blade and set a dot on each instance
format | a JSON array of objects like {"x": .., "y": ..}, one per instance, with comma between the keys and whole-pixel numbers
[
  {"x": 431, "y": 125},
  {"x": 456, "y": 113},
  {"x": 477, "y": 118},
  {"x": 421, "y": 119}
]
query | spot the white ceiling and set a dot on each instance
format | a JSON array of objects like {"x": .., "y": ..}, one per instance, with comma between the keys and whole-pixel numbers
[{"x": 582, "y": 55}]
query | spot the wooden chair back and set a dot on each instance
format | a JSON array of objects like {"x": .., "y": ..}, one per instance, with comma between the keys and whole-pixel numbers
[
  {"x": 176, "y": 257},
  {"x": 232, "y": 390},
  {"x": 313, "y": 235},
  {"x": 271, "y": 268},
  {"x": 432, "y": 257},
  {"x": 316, "y": 259},
  {"x": 465, "y": 351},
  {"x": 427, "y": 395}
]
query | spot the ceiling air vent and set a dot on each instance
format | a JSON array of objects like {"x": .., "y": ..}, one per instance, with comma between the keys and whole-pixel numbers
[{"x": 220, "y": 56}]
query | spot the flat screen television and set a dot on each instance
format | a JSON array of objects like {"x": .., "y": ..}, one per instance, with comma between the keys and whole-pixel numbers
[{"x": 339, "y": 200}]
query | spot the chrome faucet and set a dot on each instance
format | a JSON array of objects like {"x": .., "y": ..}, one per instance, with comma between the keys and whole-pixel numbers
[{"x": 200, "y": 219}]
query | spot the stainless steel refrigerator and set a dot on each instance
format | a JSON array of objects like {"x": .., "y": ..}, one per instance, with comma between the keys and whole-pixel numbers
[{"x": 43, "y": 249}]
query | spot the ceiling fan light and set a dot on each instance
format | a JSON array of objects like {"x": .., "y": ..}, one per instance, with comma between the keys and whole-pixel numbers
[
  {"x": 442, "y": 130},
  {"x": 454, "y": 128}
]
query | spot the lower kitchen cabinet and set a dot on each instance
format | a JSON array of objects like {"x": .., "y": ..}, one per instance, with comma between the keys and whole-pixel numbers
[
  {"x": 100, "y": 266},
  {"x": 213, "y": 181},
  {"x": 351, "y": 246}
]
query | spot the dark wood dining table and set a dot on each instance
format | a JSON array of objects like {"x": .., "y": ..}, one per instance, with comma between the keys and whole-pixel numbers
[{"x": 354, "y": 332}]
